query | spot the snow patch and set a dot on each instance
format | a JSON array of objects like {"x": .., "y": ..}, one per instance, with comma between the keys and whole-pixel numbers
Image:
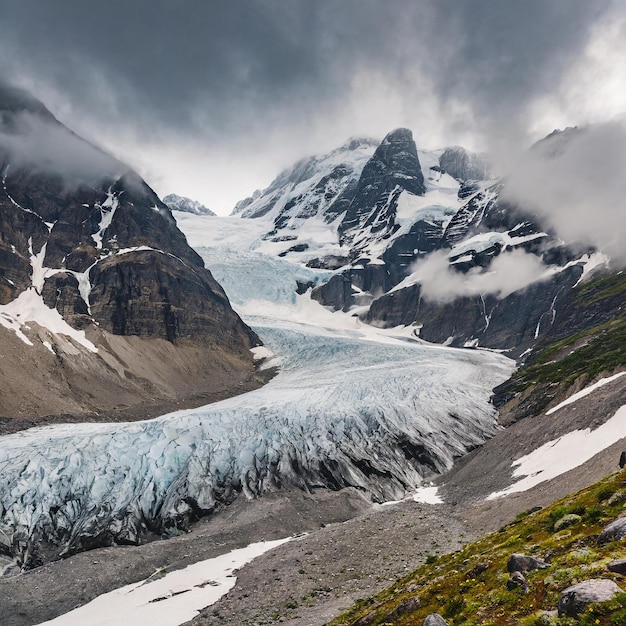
[
  {"x": 428, "y": 495},
  {"x": 564, "y": 454},
  {"x": 168, "y": 601},
  {"x": 585, "y": 392}
]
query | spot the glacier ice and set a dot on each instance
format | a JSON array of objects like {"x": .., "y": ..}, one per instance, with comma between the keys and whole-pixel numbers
[
  {"x": 350, "y": 406},
  {"x": 342, "y": 411}
]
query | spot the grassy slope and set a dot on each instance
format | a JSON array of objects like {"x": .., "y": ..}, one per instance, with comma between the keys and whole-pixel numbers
[
  {"x": 469, "y": 586},
  {"x": 590, "y": 350}
]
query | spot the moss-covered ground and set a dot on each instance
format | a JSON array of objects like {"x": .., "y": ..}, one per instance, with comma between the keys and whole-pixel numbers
[{"x": 469, "y": 587}]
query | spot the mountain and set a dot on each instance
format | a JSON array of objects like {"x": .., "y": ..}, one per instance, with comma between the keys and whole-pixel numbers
[
  {"x": 186, "y": 205},
  {"x": 402, "y": 207},
  {"x": 96, "y": 281}
]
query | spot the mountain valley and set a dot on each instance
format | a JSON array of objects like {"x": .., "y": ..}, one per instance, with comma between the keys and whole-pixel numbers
[{"x": 423, "y": 359}]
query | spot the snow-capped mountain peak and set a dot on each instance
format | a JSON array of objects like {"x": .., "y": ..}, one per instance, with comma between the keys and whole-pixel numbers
[{"x": 174, "y": 202}]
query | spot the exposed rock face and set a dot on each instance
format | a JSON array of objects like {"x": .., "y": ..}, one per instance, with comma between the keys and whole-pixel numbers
[
  {"x": 464, "y": 165},
  {"x": 83, "y": 234},
  {"x": 394, "y": 168},
  {"x": 511, "y": 323},
  {"x": 181, "y": 203},
  {"x": 576, "y": 598},
  {"x": 434, "y": 619}
]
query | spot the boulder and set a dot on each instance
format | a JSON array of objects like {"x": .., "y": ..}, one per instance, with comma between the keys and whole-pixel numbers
[
  {"x": 576, "y": 598},
  {"x": 523, "y": 563},
  {"x": 618, "y": 566},
  {"x": 434, "y": 619},
  {"x": 517, "y": 581},
  {"x": 615, "y": 531},
  {"x": 567, "y": 520},
  {"x": 406, "y": 606}
]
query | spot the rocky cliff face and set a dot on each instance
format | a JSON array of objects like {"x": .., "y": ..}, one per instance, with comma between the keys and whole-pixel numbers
[{"x": 83, "y": 237}]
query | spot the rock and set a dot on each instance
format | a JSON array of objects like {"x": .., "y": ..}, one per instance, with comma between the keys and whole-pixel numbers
[
  {"x": 618, "y": 566},
  {"x": 434, "y": 619},
  {"x": 394, "y": 168},
  {"x": 615, "y": 531},
  {"x": 567, "y": 520},
  {"x": 575, "y": 599},
  {"x": 524, "y": 563},
  {"x": 407, "y": 606},
  {"x": 622, "y": 459},
  {"x": 616, "y": 498},
  {"x": 517, "y": 581}
]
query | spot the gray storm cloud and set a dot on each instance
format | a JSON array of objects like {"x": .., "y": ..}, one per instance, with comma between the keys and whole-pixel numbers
[
  {"x": 227, "y": 93},
  {"x": 507, "y": 273}
]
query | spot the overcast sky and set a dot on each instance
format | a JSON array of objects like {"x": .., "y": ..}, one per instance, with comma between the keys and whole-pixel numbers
[{"x": 211, "y": 98}]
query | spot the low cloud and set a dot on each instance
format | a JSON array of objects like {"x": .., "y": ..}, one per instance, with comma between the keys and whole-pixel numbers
[
  {"x": 45, "y": 145},
  {"x": 507, "y": 273},
  {"x": 574, "y": 182}
]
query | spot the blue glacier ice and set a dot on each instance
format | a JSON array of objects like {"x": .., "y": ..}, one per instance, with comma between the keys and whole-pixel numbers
[{"x": 350, "y": 406}]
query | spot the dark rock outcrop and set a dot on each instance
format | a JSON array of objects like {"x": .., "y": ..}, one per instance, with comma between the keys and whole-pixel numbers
[
  {"x": 394, "y": 168},
  {"x": 615, "y": 531},
  {"x": 511, "y": 323},
  {"x": 576, "y": 598},
  {"x": 525, "y": 563},
  {"x": 113, "y": 247}
]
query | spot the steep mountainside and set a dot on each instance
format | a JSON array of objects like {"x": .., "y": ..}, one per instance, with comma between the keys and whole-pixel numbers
[
  {"x": 89, "y": 252},
  {"x": 427, "y": 238}
]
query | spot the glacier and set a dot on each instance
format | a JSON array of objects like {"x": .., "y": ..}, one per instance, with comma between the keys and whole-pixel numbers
[{"x": 350, "y": 406}]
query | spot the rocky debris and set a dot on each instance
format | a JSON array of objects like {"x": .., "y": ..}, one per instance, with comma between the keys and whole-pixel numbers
[
  {"x": 567, "y": 520},
  {"x": 618, "y": 566},
  {"x": 576, "y": 598},
  {"x": 181, "y": 203},
  {"x": 615, "y": 531},
  {"x": 523, "y": 563},
  {"x": 434, "y": 619},
  {"x": 517, "y": 581}
]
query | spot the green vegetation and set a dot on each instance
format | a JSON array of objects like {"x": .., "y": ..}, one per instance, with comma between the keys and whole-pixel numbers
[
  {"x": 588, "y": 352},
  {"x": 469, "y": 587},
  {"x": 603, "y": 351}
]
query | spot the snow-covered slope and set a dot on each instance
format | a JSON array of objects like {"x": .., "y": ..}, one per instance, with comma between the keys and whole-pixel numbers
[{"x": 350, "y": 405}]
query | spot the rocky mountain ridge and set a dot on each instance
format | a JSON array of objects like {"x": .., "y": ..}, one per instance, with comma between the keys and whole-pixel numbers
[
  {"x": 407, "y": 206},
  {"x": 90, "y": 253},
  {"x": 174, "y": 202}
]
